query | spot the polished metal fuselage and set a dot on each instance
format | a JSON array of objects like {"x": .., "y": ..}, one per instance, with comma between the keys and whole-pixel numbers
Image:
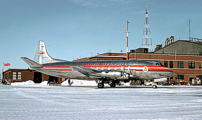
[{"x": 114, "y": 69}]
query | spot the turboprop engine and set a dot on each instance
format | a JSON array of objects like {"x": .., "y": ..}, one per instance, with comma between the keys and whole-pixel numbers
[{"x": 112, "y": 75}]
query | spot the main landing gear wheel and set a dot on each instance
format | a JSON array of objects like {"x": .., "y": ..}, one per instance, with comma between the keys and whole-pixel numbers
[
  {"x": 154, "y": 86},
  {"x": 100, "y": 85},
  {"x": 112, "y": 85}
]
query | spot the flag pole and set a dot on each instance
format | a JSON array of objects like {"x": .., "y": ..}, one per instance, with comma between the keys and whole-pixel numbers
[{"x": 2, "y": 71}]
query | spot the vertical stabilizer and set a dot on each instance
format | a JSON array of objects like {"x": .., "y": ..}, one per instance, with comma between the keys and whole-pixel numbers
[{"x": 41, "y": 56}]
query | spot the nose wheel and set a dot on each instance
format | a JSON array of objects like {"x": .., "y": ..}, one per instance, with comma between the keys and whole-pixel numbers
[
  {"x": 100, "y": 85},
  {"x": 154, "y": 86}
]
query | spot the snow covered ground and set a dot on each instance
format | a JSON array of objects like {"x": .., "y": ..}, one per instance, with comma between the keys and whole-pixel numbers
[
  {"x": 57, "y": 102},
  {"x": 30, "y": 83},
  {"x": 79, "y": 83}
]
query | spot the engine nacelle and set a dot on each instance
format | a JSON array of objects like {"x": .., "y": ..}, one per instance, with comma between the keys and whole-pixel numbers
[
  {"x": 160, "y": 80},
  {"x": 112, "y": 75},
  {"x": 109, "y": 74}
]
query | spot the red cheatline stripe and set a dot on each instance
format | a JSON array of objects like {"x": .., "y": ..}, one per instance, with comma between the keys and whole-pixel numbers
[
  {"x": 132, "y": 67},
  {"x": 153, "y": 69},
  {"x": 59, "y": 68},
  {"x": 145, "y": 65},
  {"x": 159, "y": 69},
  {"x": 99, "y": 68},
  {"x": 126, "y": 67},
  {"x": 93, "y": 67},
  {"x": 111, "y": 67},
  {"x": 105, "y": 68}
]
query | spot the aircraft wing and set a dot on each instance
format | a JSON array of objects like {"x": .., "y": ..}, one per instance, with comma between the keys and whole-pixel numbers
[{"x": 84, "y": 70}]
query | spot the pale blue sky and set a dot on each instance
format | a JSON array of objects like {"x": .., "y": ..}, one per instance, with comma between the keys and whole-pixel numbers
[{"x": 74, "y": 28}]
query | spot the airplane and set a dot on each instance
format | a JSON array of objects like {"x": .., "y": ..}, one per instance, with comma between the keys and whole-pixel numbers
[{"x": 107, "y": 71}]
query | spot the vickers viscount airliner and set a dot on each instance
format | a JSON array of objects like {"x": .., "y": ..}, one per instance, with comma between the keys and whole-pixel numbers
[{"x": 107, "y": 71}]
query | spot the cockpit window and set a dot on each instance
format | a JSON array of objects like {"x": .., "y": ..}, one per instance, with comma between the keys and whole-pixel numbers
[{"x": 159, "y": 64}]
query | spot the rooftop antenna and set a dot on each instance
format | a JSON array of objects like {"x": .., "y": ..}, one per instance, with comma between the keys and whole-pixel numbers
[
  {"x": 147, "y": 37},
  {"x": 189, "y": 30}
]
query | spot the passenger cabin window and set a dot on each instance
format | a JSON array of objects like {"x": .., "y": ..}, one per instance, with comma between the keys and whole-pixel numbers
[
  {"x": 191, "y": 65},
  {"x": 115, "y": 68},
  {"x": 180, "y": 64}
]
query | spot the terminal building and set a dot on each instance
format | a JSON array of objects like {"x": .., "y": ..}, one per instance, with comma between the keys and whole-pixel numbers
[{"x": 183, "y": 57}]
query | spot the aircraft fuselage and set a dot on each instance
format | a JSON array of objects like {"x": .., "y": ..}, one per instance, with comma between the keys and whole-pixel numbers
[{"x": 117, "y": 70}]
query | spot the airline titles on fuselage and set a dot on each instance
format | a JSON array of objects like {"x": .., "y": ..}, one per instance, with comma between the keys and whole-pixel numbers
[{"x": 104, "y": 64}]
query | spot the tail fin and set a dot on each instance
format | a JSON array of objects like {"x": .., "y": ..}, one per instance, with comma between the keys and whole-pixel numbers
[
  {"x": 41, "y": 56},
  {"x": 31, "y": 63}
]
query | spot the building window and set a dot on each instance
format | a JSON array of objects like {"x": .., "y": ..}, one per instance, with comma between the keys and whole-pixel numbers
[
  {"x": 166, "y": 63},
  {"x": 19, "y": 75},
  {"x": 181, "y": 77},
  {"x": 171, "y": 64},
  {"x": 14, "y": 75},
  {"x": 180, "y": 64},
  {"x": 200, "y": 65},
  {"x": 191, "y": 65}
]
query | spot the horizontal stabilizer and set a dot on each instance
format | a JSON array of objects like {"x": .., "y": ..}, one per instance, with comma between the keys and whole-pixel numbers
[{"x": 31, "y": 63}]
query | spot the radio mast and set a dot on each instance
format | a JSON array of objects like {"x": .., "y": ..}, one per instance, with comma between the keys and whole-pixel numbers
[{"x": 147, "y": 33}]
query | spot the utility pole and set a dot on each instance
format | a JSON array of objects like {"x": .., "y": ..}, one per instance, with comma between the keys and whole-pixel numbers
[{"x": 127, "y": 58}]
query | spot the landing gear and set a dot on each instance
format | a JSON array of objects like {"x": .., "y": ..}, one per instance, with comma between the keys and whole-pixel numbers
[
  {"x": 113, "y": 84},
  {"x": 100, "y": 85},
  {"x": 69, "y": 82},
  {"x": 154, "y": 86}
]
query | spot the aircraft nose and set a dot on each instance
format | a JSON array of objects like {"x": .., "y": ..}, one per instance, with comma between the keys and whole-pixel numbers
[{"x": 171, "y": 73}]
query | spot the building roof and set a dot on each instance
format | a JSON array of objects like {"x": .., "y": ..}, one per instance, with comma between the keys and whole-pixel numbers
[
  {"x": 182, "y": 47},
  {"x": 17, "y": 69},
  {"x": 106, "y": 55}
]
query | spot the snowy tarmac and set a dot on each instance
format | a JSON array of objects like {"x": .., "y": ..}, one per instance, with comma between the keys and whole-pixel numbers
[{"x": 89, "y": 102}]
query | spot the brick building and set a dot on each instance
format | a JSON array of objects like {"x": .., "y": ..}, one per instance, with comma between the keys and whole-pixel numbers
[
  {"x": 22, "y": 75},
  {"x": 183, "y": 57}
]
